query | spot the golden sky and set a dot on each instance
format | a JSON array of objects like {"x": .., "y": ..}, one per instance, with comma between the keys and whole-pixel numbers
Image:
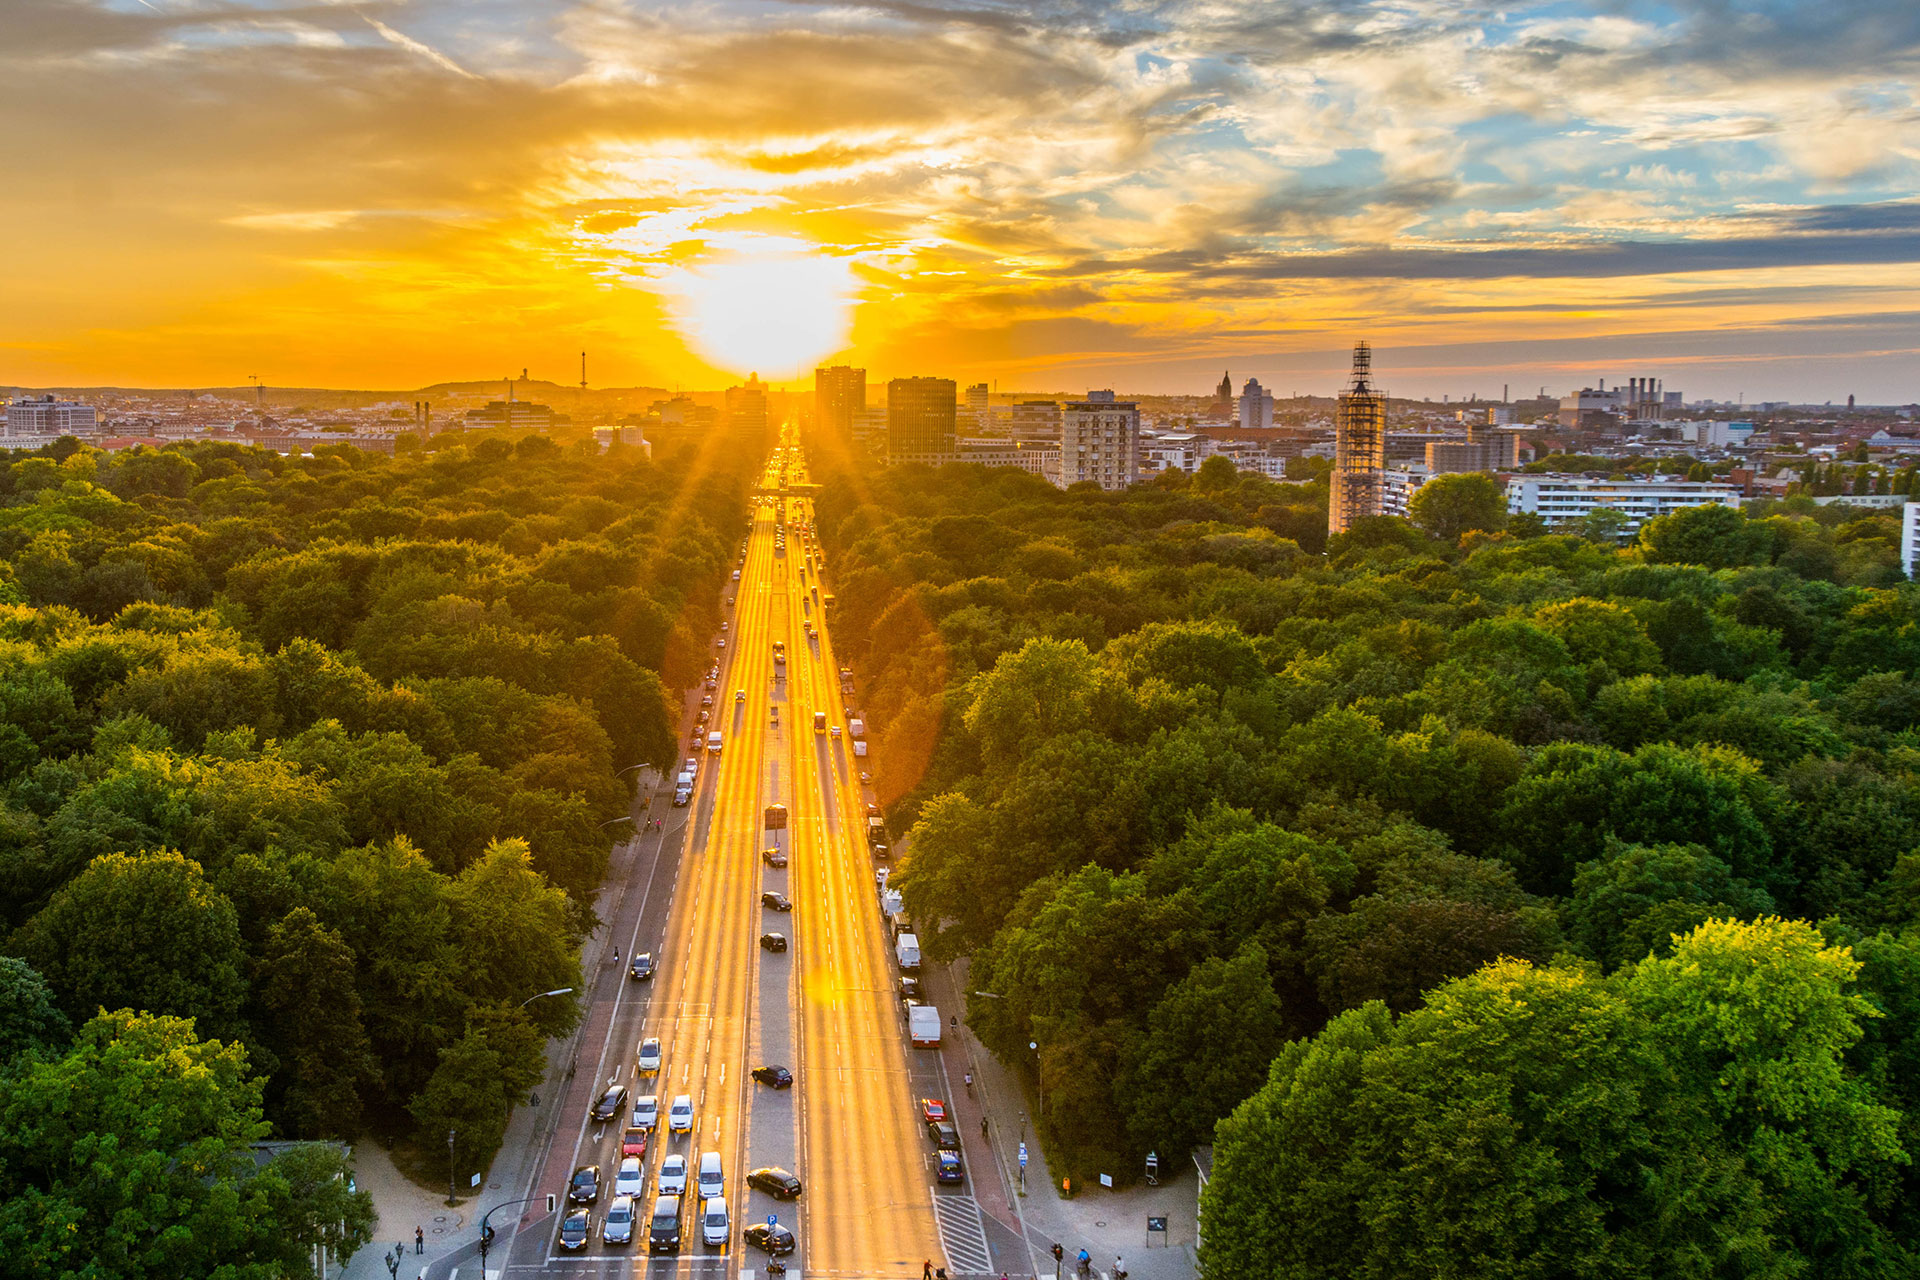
[{"x": 1049, "y": 195}]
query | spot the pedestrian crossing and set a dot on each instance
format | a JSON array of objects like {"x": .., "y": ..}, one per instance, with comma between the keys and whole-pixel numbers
[{"x": 962, "y": 1237}]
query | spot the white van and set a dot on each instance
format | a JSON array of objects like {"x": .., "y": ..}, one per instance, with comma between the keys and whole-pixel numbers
[
  {"x": 712, "y": 1180},
  {"x": 713, "y": 742},
  {"x": 714, "y": 1227},
  {"x": 907, "y": 950}
]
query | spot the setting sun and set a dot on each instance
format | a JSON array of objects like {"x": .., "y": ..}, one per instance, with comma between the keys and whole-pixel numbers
[{"x": 768, "y": 303}]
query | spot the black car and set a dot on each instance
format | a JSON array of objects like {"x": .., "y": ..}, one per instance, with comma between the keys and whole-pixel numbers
[
  {"x": 773, "y": 942},
  {"x": 664, "y": 1227},
  {"x": 944, "y": 1135},
  {"x": 909, "y": 988},
  {"x": 609, "y": 1103},
  {"x": 575, "y": 1229},
  {"x": 776, "y": 1182},
  {"x": 777, "y": 1076},
  {"x": 642, "y": 966},
  {"x": 585, "y": 1187},
  {"x": 773, "y": 857},
  {"x": 775, "y": 901},
  {"x": 775, "y": 1240},
  {"x": 880, "y": 852}
]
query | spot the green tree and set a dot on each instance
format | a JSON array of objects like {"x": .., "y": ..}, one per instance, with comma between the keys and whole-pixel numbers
[
  {"x": 1715, "y": 536},
  {"x": 145, "y": 932},
  {"x": 29, "y": 1019},
  {"x": 1450, "y": 505},
  {"x": 1631, "y": 902},
  {"x": 305, "y": 986}
]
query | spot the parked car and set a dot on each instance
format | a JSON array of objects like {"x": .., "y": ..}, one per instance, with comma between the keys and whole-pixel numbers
[
  {"x": 776, "y": 1182},
  {"x": 943, "y": 1135},
  {"x": 774, "y": 1075},
  {"x": 933, "y": 1110},
  {"x": 910, "y": 988},
  {"x": 584, "y": 1187},
  {"x": 947, "y": 1168}
]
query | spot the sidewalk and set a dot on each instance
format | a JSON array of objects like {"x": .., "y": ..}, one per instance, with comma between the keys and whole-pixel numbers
[
  {"x": 400, "y": 1206},
  {"x": 1104, "y": 1223}
]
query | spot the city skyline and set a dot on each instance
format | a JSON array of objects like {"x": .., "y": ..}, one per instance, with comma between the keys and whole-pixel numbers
[{"x": 1047, "y": 195}]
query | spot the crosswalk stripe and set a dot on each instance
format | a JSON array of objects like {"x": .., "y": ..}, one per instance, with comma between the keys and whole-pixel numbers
[{"x": 962, "y": 1236}]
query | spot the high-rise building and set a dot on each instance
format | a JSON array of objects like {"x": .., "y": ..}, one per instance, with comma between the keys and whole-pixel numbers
[
  {"x": 838, "y": 394},
  {"x": 1256, "y": 406},
  {"x": 747, "y": 408},
  {"x": 1359, "y": 447},
  {"x": 1100, "y": 441},
  {"x": 1484, "y": 449},
  {"x": 1035, "y": 420},
  {"x": 1223, "y": 394},
  {"x": 920, "y": 420},
  {"x": 44, "y": 415}
]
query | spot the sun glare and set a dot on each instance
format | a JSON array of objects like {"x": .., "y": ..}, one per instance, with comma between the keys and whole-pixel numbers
[{"x": 766, "y": 303}]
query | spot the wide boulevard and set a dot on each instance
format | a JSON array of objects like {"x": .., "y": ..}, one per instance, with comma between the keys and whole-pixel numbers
[{"x": 828, "y": 1007}]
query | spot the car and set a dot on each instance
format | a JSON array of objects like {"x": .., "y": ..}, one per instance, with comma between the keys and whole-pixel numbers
[
  {"x": 835, "y": 731},
  {"x": 712, "y": 1178},
  {"x": 618, "y": 1228},
  {"x": 610, "y": 1102},
  {"x": 633, "y": 1142},
  {"x": 775, "y": 901},
  {"x": 773, "y": 942},
  {"x": 723, "y": 626},
  {"x": 649, "y": 1056},
  {"x": 641, "y": 967},
  {"x": 943, "y": 1135},
  {"x": 776, "y": 1182},
  {"x": 933, "y": 1110},
  {"x": 646, "y": 1111},
  {"x": 584, "y": 1186},
  {"x": 630, "y": 1178},
  {"x": 680, "y": 1115},
  {"x": 706, "y": 699},
  {"x": 775, "y": 1075},
  {"x": 739, "y": 695},
  {"x": 773, "y": 857},
  {"x": 729, "y": 602},
  {"x": 712, "y": 683},
  {"x": 866, "y": 779},
  {"x": 715, "y": 1227},
  {"x": 947, "y": 1167},
  {"x": 774, "y": 1240},
  {"x": 701, "y": 718},
  {"x": 719, "y": 644},
  {"x": 576, "y": 1229},
  {"x": 663, "y": 1228},
  {"x": 879, "y": 851},
  {"x": 673, "y": 1176},
  {"x": 909, "y": 988}
]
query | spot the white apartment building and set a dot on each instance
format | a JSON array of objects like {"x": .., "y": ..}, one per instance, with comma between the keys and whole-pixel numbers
[
  {"x": 1100, "y": 441},
  {"x": 1397, "y": 485},
  {"x": 1910, "y": 539},
  {"x": 1173, "y": 451},
  {"x": 1256, "y": 405},
  {"x": 46, "y": 416},
  {"x": 1559, "y": 499}
]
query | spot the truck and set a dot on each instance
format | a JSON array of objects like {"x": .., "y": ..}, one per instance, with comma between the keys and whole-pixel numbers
[
  {"x": 819, "y": 722},
  {"x": 890, "y": 902},
  {"x": 857, "y": 727},
  {"x": 860, "y": 749},
  {"x": 713, "y": 742},
  {"x": 906, "y": 949},
  {"x": 923, "y": 1026}
]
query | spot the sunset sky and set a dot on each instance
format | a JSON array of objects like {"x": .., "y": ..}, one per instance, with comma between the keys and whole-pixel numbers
[{"x": 1052, "y": 195}]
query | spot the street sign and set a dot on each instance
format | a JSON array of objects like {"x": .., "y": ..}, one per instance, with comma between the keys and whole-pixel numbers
[
  {"x": 1156, "y": 1224},
  {"x": 773, "y": 1219},
  {"x": 1023, "y": 1155}
]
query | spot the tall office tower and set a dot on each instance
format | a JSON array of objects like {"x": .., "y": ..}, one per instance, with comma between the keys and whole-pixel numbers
[
  {"x": 747, "y": 408},
  {"x": 1359, "y": 447},
  {"x": 977, "y": 404},
  {"x": 1100, "y": 441},
  {"x": 1256, "y": 405},
  {"x": 920, "y": 416},
  {"x": 839, "y": 394}
]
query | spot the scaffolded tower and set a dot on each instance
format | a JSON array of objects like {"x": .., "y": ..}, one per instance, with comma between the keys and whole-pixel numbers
[{"x": 1359, "y": 447}]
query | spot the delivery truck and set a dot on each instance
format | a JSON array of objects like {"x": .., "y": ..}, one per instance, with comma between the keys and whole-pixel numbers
[
  {"x": 856, "y": 726},
  {"x": 923, "y": 1026},
  {"x": 713, "y": 742},
  {"x": 907, "y": 950}
]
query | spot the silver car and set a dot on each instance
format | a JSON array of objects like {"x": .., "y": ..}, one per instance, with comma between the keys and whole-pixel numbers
[
  {"x": 673, "y": 1176},
  {"x": 618, "y": 1228}
]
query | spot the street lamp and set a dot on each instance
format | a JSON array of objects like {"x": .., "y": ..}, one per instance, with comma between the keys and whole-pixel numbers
[
  {"x": 625, "y": 817},
  {"x": 1040, "y": 1072},
  {"x": 451, "y": 1200},
  {"x": 557, "y": 991}
]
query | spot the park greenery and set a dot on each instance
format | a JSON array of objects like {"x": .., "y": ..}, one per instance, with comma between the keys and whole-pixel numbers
[
  {"x": 309, "y": 771},
  {"x": 1495, "y": 902}
]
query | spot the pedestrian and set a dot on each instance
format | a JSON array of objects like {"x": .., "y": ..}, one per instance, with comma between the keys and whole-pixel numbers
[
  {"x": 926, "y": 1269},
  {"x": 983, "y": 1126},
  {"x": 419, "y": 1241}
]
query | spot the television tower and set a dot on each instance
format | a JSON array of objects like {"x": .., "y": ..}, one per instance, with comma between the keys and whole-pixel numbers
[
  {"x": 583, "y": 371},
  {"x": 1359, "y": 447}
]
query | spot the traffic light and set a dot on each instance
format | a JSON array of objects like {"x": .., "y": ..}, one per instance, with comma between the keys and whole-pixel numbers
[{"x": 1058, "y": 1253}]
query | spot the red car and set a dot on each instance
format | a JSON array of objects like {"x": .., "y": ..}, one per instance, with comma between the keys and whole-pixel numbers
[
  {"x": 633, "y": 1143},
  {"x": 932, "y": 1110}
]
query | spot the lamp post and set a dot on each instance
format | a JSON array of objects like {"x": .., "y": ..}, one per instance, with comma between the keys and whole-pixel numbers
[
  {"x": 1040, "y": 1073},
  {"x": 557, "y": 991},
  {"x": 451, "y": 1201},
  {"x": 625, "y": 817}
]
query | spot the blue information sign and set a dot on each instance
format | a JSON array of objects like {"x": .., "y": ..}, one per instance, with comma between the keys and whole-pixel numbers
[{"x": 1023, "y": 1155}]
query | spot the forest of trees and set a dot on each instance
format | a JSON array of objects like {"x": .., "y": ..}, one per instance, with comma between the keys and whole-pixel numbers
[
  {"x": 309, "y": 770},
  {"x": 1525, "y": 904}
]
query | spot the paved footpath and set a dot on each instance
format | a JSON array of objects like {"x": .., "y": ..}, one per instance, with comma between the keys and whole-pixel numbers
[
  {"x": 1107, "y": 1224},
  {"x": 450, "y": 1235}
]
